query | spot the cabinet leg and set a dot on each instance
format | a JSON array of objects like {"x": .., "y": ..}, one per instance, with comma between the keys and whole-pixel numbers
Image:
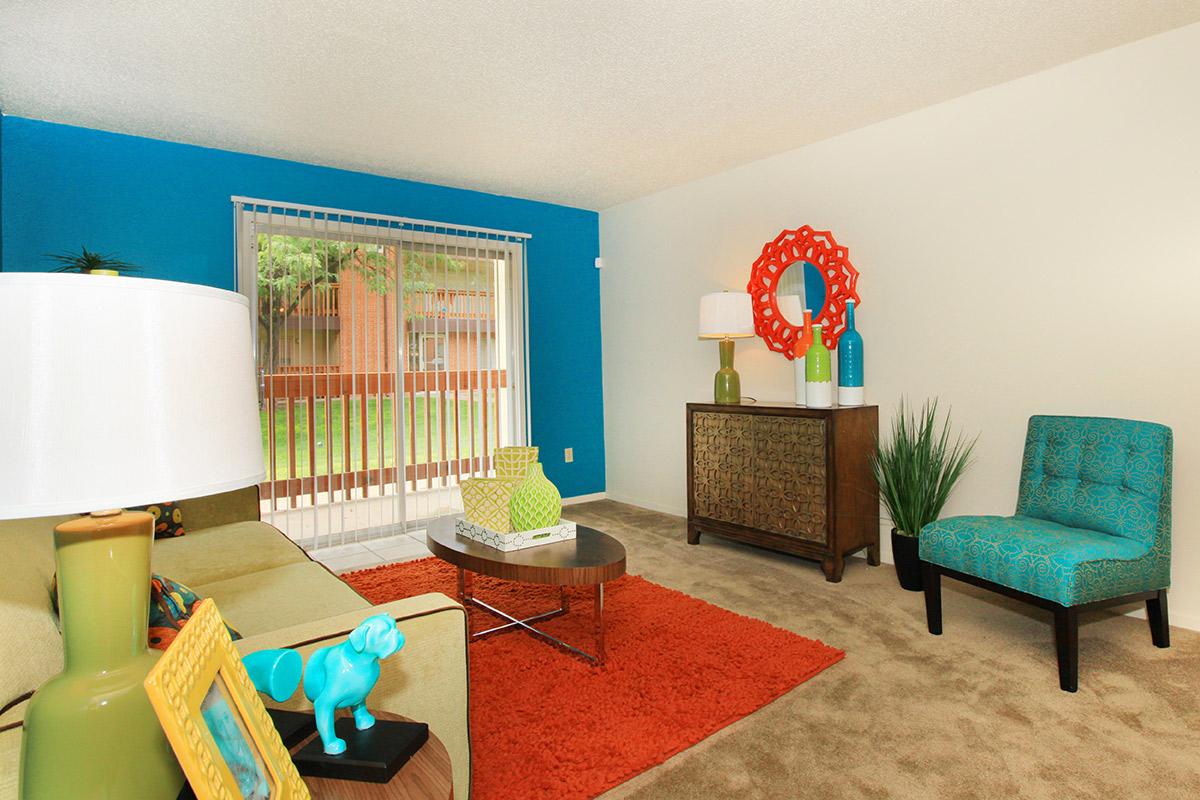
[
  {"x": 873, "y": 554},
  {"x": 832, "y": 567},
  {"x": 693, "y": 535}
]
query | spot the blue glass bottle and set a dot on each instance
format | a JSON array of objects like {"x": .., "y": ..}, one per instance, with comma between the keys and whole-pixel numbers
[{"x": 850, "y": 363}]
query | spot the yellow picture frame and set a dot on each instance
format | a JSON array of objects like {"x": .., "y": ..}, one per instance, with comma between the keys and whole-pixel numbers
[{"x": 214, "y": 719}]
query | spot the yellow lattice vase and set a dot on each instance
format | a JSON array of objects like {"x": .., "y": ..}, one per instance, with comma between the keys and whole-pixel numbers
[
  {"x": 535, "y": 503},
  {"x": 513, "y": 462},
  {"x": 486, "y": 501}
]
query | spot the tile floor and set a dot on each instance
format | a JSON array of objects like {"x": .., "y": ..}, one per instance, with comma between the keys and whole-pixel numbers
[{"x": 373, "y": 552}]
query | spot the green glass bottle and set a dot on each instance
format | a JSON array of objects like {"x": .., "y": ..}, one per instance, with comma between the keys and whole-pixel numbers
[{"x": 818, "y": 373}]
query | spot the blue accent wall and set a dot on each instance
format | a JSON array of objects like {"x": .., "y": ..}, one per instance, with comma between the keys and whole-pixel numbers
[{"x": 165, "y": 206}]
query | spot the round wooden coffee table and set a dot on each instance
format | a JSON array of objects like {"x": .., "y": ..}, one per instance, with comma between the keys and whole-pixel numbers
[
  {"x": 590, "y": 559},
  {"x": 426, "y": 776}
]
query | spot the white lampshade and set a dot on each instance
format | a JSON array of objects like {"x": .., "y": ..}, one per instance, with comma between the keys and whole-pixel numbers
[
  {"x": 726, "y": 314},
  {"x": 122, "y": 391}
]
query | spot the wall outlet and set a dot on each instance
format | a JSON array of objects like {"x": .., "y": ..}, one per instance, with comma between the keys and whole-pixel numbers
[{"x": 569, "y": 455}]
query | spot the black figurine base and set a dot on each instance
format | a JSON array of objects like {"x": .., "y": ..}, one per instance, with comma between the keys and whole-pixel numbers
[
  {"x": 293, "y": 726},
  {"x": 374, "y": 755}
]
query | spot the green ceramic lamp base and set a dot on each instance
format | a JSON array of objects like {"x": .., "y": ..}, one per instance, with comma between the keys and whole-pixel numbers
[
  {"x": 90, "y": 732},
  {"x": 727, "y": 386}
]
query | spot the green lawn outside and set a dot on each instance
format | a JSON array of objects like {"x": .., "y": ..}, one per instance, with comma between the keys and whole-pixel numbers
[{"x": 331, "y": 445}]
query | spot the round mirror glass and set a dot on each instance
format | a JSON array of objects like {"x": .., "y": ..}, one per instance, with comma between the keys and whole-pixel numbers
[{"x": 801, "y": 286}]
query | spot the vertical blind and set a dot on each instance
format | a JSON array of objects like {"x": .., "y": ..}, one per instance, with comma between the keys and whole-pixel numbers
[{"x": 391, "y": 356}]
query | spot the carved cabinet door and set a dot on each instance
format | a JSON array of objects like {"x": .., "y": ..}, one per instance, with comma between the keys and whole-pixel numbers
[
  {"x": 789, "y": 477},
  {"x": 723, "y": 467}
]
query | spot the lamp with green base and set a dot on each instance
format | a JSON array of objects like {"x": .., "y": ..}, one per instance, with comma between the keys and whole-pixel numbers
[
  {"x": 726, "y": 316},
  {"x": 120, "y": 392}
]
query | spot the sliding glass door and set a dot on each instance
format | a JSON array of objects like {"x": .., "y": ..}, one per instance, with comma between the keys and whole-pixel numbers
[{"x": 391, "y": 362}]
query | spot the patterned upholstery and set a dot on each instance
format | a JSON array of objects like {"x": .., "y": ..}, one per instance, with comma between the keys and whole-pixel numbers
[
  {"x": 1107, "y": 475},
  {"x": 1035, "y": 556},
  {"x": 1093, "y": 517}
]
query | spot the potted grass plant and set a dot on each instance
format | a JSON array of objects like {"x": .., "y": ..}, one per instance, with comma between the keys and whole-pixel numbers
[
  {"x": 91, "y": 262},
  {"x": 917, "y": 469}
]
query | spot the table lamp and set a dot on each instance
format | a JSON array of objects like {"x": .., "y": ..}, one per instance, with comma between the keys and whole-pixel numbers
[
  {"x": 117, "y": 392},
  {"x": 726, "y": 316}
]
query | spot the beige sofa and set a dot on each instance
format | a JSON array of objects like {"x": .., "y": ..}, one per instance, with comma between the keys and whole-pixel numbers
[{"x": 268, "y": 589}]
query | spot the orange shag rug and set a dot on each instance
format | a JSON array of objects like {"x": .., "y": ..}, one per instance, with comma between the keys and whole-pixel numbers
[{"x": 544, "y": 724}]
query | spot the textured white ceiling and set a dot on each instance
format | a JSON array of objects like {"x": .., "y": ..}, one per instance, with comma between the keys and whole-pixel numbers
[{"x": 587, "y": 104}]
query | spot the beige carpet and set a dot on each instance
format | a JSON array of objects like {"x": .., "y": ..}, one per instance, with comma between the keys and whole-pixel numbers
[{"x": 974, "y": 713}]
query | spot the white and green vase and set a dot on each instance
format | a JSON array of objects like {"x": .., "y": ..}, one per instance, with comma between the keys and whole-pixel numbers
[
  {"x": 535, "y": 503},
  {"x": 818, "y": 372}
]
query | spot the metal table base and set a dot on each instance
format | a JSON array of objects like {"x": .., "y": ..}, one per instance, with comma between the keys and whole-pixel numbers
[{"x": 466, "y": 595}]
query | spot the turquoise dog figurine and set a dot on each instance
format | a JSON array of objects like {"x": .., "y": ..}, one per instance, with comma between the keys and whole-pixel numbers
[{"x": 343, "y": 675}]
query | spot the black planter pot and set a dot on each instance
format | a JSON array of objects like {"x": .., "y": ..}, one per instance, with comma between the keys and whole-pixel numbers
[{"x": 906, "y": 554}]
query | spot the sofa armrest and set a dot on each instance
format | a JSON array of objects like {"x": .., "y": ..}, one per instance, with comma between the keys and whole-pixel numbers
[
  {"x": 10, "y": 758},
  {"x": 238, "y": 505},
  {"x": 425, "y": 681}
]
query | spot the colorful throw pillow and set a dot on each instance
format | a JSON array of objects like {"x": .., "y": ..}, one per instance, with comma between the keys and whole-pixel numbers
[
  {"x": 168, "y": 519},
  {"x": 171, "y": 606}
]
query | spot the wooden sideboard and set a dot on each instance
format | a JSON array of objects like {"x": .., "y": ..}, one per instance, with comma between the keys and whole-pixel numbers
[{"x": 786, "y": 477}]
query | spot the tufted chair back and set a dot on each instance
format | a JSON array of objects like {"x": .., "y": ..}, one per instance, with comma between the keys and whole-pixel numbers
[{"x": 1106, "y": 475}]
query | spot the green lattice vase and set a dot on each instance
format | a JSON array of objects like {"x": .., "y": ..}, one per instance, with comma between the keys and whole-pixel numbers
[{"x": 536, "y": 503}]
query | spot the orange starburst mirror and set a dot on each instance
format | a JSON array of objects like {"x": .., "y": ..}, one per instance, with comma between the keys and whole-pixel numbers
[{"x": 800, "y": 269}]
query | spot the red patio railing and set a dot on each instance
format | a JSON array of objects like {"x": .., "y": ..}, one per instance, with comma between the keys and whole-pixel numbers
[
  {"x": 362, "y": 397},
  {"x": 437, "y": 303}
]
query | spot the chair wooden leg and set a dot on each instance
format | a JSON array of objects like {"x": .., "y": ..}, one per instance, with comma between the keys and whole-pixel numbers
[
  {"x": 933, "y": 597},
  {"x": 1066, "y": 642},
  {"x": 1160, "y": 626}
]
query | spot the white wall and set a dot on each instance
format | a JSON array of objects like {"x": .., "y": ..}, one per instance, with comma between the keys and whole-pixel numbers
[{"x": 1030, "y": 248}]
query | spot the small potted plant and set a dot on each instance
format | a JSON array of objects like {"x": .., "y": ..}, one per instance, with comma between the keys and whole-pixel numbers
[
  {"x": 916, "y": 471},
  {"x": 91, "y": 262}
]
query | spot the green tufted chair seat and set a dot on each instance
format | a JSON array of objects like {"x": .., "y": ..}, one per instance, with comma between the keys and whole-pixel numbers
[{"x": 1041, "y": 558}]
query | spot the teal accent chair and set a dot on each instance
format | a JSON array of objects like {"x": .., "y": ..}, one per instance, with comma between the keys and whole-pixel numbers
[{"x": 1092, "y": 529}]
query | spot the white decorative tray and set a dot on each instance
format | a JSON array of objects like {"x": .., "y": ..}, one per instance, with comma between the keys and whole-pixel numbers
[{"x": 516, "y": 540}]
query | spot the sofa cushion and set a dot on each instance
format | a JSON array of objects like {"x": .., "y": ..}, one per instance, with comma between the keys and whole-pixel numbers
[
  {"x": 227, "y": 551},
  {"x": 1067, "y": 565},
  {"x": 222, "y": 508},
  {"x": 32, "y": 647},
  {"x": 280, "y": 597},
  {"x": 10, "y": 754}
]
